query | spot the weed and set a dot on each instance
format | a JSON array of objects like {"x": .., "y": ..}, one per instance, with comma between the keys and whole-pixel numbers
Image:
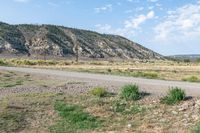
[
  {"x": 174, "y": 96},
  {"x": 130, "y": 92},
  {"x": 119, "y": 107},
  {"x": 125, "y": 108},
  {"x": 3, "y": 63},
  {"x": 99, "y": 91}
]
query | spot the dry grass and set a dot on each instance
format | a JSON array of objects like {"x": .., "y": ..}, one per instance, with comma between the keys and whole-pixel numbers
[
  {"x": 146, "y": 115},
  {"x": 166, "y": 70}
]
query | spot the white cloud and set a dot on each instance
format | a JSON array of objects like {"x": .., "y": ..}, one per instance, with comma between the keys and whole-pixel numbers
[
  {"x": 105, "y": 8},
  {"x": 129, "y": 28},
  {"x": 136, "y": 22},
  {"x": 180, "y": 24},
  {"x": 106, "y": 28}
]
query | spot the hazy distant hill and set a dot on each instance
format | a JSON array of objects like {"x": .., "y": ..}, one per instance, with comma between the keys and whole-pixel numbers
[
  {"x": 58, "y": 41},
  {"x": 191, "y": 57}
]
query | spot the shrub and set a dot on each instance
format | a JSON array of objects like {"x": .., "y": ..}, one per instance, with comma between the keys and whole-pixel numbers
[
  {"x": 192, "y": 79},
  {"x": 174, "y": 96},
  {"x": 130, "y": 92},
  {"x": 99, "y": 91},
  {"x": 3, "y": 63},
  {"x": 28, "y": 62}
]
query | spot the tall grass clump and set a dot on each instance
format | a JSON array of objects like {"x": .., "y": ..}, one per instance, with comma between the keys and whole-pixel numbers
[
  {"x": 174, "y": 96},
  {"x": 130, "y": 92},
  {"x": 99, "y": 92}
]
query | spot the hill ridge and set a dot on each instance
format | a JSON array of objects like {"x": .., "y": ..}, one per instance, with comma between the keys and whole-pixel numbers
[{"x": 60, "y": 41}]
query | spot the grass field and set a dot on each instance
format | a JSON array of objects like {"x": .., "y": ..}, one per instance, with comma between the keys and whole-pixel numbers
[{"x": 165, "y": 70}]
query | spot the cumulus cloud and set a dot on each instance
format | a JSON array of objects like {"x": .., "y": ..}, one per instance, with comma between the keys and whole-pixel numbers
[
  {"x": 129, "y": 28},
  {"x": 136, "y": 22},
  {"x": 106, "y": 28},
  {"x": 180, "y": 24},
  {"x": 105, "y": 8}
]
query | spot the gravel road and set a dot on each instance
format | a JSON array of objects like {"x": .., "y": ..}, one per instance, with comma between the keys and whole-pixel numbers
[{"x": 155, "y": 87}]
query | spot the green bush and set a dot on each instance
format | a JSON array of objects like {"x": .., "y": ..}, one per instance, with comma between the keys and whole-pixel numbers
[
  {"x": 130, "y": 92},
  {"x": 99, "y": 91},
  {"x": 192, "y": 79},
  {"x": 174, "y": 96}
]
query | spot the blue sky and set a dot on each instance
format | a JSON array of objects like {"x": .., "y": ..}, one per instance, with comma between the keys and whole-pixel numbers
[{"x": 165, "y": 26}]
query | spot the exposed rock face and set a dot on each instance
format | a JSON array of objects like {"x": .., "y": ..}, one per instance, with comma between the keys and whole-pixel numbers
[{"x": 61, "y": 42}]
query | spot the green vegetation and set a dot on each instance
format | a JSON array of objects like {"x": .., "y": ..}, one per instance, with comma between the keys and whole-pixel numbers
[
  {"x": 197, "y": 129},
  {"x": 198, "y": 60},
  {"x": 149, "y": 75},
  {"x": 27, "y": 62},
  {"x": 191, "y": 79},
  {"x": 99, "y": 91},
  {"x": 81, "y": 113},
  {"x": 3, "y": 63},
  {"x": 174, "y": 96},
  {"x": 11, "y": 84},
  {"x": 12, "y": 121},
  {"x": 73, "y": 119},
  {"x": 126, "y": 108},
  {"x": 10, "y": 79},
  {"x": 130, "y": 92}
]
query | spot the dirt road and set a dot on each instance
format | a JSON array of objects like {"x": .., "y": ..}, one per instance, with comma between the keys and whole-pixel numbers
[{"x": 155, "y": 87}]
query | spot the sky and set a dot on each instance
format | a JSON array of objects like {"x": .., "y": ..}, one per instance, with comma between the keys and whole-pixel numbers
[{"x": 169, "y": 27}]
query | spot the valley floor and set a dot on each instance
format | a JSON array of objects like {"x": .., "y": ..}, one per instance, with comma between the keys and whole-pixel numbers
[{"x": 39, "y": 100}]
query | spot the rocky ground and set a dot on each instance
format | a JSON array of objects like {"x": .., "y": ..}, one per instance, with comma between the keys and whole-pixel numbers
[{"x": 36, "y": 96}]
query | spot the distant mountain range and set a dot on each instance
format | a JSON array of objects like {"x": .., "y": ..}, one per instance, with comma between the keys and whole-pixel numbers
[
  {"x": 191, "y": 57},
  {"x": 59, "y": 41}
]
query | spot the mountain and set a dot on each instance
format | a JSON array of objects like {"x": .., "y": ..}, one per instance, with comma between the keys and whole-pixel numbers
[{"x": 59, "y": 41}]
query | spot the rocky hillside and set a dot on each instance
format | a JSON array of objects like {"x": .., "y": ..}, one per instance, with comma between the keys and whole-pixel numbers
[{"x": 58, "y": 41}]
